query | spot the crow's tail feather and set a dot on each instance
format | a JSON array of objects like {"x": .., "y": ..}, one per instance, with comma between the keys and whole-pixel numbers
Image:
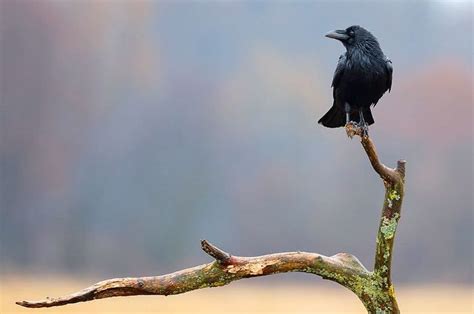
[
  {"x": 368, "y": 116},
  {"x": 336, "y": 117}
]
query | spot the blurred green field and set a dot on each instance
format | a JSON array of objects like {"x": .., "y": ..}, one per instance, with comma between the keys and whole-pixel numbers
[{"x": 239, "y": 297}]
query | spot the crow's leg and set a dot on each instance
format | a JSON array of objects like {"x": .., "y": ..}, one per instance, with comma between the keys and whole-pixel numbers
[
  {"x": 350, "y": 126},
  {"x": 347, "y": 109},
  {"x": 362, "y": 124}
]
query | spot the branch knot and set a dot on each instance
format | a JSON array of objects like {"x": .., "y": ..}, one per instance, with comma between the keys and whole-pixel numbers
[{"x": 221, "y": 256}]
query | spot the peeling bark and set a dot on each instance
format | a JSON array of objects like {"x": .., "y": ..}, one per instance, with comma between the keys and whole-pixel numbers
[{"x": 374, "y": 289}]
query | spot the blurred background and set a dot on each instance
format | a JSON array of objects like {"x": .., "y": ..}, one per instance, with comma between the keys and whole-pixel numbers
[{"x": 130, "y": 130}]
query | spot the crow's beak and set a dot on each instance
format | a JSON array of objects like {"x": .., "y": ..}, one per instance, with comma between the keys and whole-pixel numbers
[{"x": 338, "y": 34}]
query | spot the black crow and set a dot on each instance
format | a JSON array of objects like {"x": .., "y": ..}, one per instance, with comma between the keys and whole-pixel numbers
[{"x": 363, "y": 74}]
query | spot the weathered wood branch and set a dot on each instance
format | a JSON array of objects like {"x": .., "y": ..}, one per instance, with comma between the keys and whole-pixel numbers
[
  {"x": 394, "y": 181},
  {"x": 342, "y": 268},
  {"x": 374, "y": 289}
]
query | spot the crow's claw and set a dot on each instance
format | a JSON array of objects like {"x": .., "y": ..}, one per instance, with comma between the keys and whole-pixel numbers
[
  {"x": 364, "y": 129},
  {"x": 352, "y": 129}
]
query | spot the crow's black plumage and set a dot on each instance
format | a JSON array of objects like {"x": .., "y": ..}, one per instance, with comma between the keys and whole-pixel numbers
[{"x": 363, "y": 74}]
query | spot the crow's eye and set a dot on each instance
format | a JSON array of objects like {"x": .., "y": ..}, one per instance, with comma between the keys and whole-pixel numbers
[{"x": 351, "y": 33}]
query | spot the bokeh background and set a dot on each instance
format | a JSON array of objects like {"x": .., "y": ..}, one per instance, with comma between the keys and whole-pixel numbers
[{"x": 132, "y": 129}]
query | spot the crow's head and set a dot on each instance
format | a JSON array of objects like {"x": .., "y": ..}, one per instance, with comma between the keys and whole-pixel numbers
[{"x": 354, "y": 36}]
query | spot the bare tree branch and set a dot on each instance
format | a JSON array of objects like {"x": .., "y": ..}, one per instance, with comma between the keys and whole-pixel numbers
[
  {"x": 374, "y": 289},
  {"x": 222, "y": 257},
  {"x": 394, "y": 181},
  {"x": 342, "y": 268},
  {"x": 387, "y": 174}
]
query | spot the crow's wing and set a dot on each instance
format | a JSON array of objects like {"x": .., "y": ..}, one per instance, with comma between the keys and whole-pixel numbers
[
  {"x": 389, "y": 69},
  {"x": 341, "y": 64}
]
